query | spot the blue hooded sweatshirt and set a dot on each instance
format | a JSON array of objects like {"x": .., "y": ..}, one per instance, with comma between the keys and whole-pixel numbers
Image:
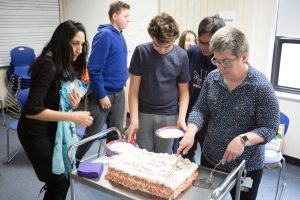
[{"x": 107, "y": 64}]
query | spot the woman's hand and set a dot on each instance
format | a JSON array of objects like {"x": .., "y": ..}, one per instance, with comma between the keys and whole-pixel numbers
[
  {"x": 74, "y": 98},
  {"x": 186, "y": 143},
  {"x": 130, "y": 133},
  {"x": 234, "y": 149},
  {"x": 82, "y": 118}
]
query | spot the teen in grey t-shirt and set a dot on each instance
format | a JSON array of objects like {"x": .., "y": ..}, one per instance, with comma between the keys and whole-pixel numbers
[{"x": 158, "y": 93}]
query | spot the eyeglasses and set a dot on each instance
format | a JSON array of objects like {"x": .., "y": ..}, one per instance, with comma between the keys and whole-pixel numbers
[{"x": 225, "y": 63}]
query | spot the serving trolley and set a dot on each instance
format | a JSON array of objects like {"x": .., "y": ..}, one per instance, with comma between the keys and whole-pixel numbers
[{"x": 218, "y": 189}]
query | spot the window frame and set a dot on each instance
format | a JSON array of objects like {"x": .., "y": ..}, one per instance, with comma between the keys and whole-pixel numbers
[{"x": 279, "y": 41}]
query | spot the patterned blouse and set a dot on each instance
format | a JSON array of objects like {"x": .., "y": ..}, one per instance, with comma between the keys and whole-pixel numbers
[{"x": 250, "y": 107}]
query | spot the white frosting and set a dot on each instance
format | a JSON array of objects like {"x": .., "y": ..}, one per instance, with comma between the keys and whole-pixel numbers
[{"x": 160, "y": 168}]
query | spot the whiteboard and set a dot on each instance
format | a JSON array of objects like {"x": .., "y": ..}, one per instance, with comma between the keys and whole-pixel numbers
[{"x": 96, "y": 12}]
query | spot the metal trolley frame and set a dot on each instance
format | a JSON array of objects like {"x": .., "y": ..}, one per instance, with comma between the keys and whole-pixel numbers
[{"x": 221, "y": 184}]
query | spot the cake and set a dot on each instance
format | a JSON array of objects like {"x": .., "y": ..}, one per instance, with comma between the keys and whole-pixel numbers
[{"x": 159, "y": 174}]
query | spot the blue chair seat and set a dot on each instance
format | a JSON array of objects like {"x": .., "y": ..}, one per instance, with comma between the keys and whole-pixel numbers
[
  {"x": 22, "y": 71},
  {"x": 14, "y": 125}
]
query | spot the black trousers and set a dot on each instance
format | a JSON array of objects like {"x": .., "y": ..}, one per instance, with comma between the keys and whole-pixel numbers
[
  {"x": 255, "y": 175},
  {"x": 39, "y": 150}
]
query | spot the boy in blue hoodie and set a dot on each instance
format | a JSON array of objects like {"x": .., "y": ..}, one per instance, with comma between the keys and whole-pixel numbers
[{"x": 107, "y": 67}]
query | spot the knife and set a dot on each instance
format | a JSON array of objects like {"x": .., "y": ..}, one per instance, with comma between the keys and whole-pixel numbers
[{"x": 179, "y": 157}]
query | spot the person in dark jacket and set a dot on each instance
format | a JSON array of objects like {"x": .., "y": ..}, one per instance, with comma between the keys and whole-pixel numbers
[
  {"x": 200, "y": 66},
  {"x": 63, "y": 59}
]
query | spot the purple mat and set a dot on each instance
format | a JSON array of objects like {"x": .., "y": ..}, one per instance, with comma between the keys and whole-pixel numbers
[{"x": 90, "y": 170}]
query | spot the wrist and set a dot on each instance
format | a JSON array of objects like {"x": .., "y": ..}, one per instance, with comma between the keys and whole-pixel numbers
[
  {"x": 181, "y": 118},
  {"x": 72, "y": 117},
  {"x": 134, "y": 121},
  {"x": 190, "y": 134},
  {"x": 134, "y": 125}
]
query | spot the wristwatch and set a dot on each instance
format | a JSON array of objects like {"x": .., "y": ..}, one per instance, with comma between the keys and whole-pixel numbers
[{"x": 245, "y": 140}]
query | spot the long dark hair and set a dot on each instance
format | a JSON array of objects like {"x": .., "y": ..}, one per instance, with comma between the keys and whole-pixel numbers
[
  {"x": 182, "y": 37},
  {"x": 61, "y": 51}
]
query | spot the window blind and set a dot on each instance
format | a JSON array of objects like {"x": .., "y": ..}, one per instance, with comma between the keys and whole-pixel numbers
[{"x": 26, "y": 23}]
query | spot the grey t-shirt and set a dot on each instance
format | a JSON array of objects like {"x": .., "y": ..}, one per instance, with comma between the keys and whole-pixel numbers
[{"x": 160, "y": 75}]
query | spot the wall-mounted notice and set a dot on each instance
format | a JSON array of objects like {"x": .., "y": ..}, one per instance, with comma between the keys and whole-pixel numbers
[{"x": 229, "y": 17}]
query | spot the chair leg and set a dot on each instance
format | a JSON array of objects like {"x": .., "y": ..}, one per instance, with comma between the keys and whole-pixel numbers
[
  {"x": 7, "y": 145},
  {"x": 281, "y": 175},
  {"x": 9, "y": 158},
  {"x": 2, "y": 110},
  {"x": 283, "y": 178}
]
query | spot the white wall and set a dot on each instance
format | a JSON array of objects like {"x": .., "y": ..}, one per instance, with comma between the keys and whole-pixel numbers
[
  {"x": 255, "y": 18},
  {"x": 3, "y": 83},
  {"x": 136, "y": 33},
  {"x": 288, "y": 14},
  {"x": 291, "y": 106}
]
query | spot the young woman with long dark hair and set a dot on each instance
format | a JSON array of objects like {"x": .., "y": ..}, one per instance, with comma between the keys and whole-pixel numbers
[{"x": 62, "y": 60}]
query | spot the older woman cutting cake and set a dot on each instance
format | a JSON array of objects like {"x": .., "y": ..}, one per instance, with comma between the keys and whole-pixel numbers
[{"x": 241, "y": 110}]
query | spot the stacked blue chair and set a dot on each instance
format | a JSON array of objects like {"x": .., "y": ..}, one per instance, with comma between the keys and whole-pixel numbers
[
  {"x": 22, "y": 97},
  {"x": 18, "y": 77},
  {"x": 21, "y": 59}
]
